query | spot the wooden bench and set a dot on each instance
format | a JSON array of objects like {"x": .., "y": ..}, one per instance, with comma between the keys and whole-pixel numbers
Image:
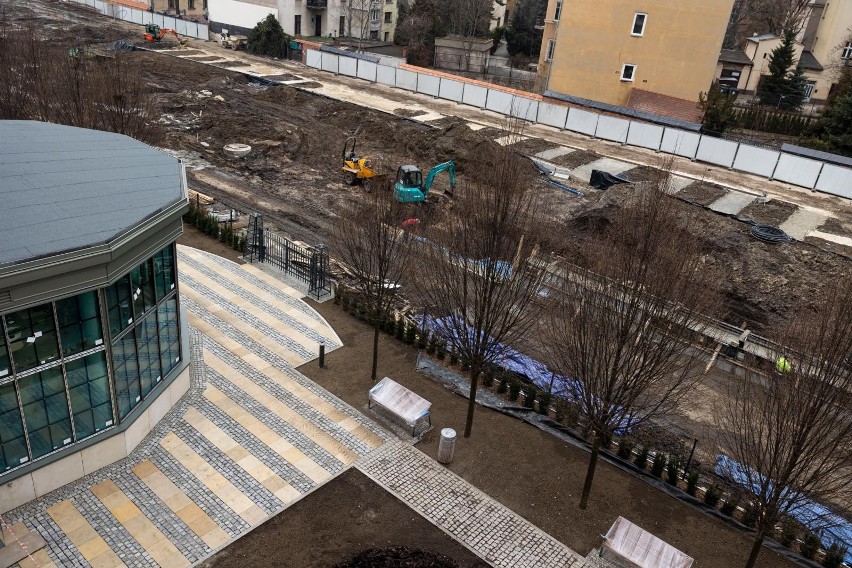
[{"x": 404, "y": 404}]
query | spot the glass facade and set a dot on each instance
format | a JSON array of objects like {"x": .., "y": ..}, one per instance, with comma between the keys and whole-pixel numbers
[{"x": 55, "y": 359}]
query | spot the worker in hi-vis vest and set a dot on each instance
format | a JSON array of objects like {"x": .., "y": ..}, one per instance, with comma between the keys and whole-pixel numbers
[{"x": 782, "y": 365}]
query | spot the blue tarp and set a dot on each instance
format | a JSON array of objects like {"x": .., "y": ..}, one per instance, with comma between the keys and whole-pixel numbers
[
  {"x": 507, "y": 358},
  {"x": 831, "y": 527}
]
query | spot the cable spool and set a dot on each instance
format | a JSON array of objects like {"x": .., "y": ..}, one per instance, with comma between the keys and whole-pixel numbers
[{"x": 770, "y": 234}]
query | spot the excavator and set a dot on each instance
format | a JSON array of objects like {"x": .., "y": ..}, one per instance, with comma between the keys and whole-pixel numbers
[
  {"x": 153, "y": 32},
  {"x": 410, "y": 187},
  {"x": 356, "y": 168}
]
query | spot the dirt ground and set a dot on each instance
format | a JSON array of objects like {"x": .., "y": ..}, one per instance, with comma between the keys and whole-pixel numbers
[
  {"x": 533, "y": 473},
  {"x": 292, "y": 175},
  {"x": 342, "y": 518}
]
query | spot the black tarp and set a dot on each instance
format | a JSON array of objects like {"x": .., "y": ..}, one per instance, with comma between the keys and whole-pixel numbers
[{"x": 605, "y": 180}]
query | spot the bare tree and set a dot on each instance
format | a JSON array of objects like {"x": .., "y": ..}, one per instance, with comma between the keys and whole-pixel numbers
[
  {"x": 477, "y": 272},
  {"x": 45, "y": 81},
  {"x": 370, "y": 242},
  {"x": 791, "y": 434},
  {"x": 765, "y": 16},
  {"x": 624, "y": 323},
  {"x": 361, "y": 14}
]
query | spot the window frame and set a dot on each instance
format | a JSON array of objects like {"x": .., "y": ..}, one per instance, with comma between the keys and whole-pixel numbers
[
  {"x": 632, "y": 77},
  {"x": 847, "y": 51},
  {"x": 551, "y": 50},
  {"x": 644, "y": 24},
  {"x": 557, "y": 12}
]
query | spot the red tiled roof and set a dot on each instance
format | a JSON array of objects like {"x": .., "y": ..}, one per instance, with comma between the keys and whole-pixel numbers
[
  {"x": 133, "y": 4},
  {"x": 664, "y": 105}
]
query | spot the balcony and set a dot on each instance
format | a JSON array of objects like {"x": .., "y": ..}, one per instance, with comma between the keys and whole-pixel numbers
[{"x": 317, "y": 4}]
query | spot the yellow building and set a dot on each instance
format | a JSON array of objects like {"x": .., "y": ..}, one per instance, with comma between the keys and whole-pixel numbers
[
  {"x": 657, "y": 55},
  {"x": 823, "y": 45}
]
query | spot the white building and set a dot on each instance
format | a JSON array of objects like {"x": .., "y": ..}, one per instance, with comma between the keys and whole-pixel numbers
[{"x": 375, "y": 19}]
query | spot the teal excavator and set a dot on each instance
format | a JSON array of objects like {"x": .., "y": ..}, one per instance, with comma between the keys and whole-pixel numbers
[{"x": 410, "y": 187}]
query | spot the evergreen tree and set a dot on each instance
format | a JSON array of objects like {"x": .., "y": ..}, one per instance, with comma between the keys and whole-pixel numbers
[
  {"x": 794, "y": 89},
  {"x": 521, "y": 36},
  {"x": 268, "y": 38},
  {"x": 718, "y": 109},
  {"x": 774, "y": 86},
  {"x": 836, "y": 124}
]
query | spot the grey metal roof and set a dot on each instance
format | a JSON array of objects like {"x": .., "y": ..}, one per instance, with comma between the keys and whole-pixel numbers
[
  {"x": 627, "y": 111},
  {"x": 817, "y": 155},
  {"x": 762, "y": 37},
  {"x": 808, "y": 61},
  {"x": 64, "y": 188},
  {"x": 734, "y": 56}
]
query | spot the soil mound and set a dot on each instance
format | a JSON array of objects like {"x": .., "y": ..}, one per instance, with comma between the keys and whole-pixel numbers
[{"x": 398, "y": 557}]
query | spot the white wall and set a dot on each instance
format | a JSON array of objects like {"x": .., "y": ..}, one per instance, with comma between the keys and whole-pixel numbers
[{"x": 234, "y": 13}]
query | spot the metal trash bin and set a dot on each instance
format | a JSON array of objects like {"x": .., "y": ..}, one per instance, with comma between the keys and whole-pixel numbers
[{"x": 447, "y": 446}]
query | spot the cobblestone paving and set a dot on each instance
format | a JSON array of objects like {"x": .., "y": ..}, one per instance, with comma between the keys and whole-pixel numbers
[
  {"x": 245, "y": 453},
  {"x": 500, "y": 536},
  {"x": 251, "y": 436}
]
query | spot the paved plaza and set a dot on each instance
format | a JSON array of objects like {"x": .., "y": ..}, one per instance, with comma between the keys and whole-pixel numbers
[{"x": 252, "y": 436}]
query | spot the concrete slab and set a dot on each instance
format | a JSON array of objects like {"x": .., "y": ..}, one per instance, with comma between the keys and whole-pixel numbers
[
  {"x": 510, "y": 139},
  {"x": 678, "y": 183},
  {"x": 475, "y": 126},
  {"x": 732, "y": 202},
  {"x": 609, "y": 165},
  {"x": 845, "y": 241},
  {"x": 804, "y": 221},
  {"x": 554, "y": 153}
]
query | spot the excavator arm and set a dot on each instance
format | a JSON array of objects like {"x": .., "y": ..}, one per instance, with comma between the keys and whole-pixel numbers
[{"x": 449, "y": 167}]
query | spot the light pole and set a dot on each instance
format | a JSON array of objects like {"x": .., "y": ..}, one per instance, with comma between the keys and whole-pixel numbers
[{"x": 780, "y": 98}]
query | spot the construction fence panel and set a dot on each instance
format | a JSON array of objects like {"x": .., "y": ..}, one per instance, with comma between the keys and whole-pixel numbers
[
  {"x": 582, "y": 121},
  {"x": 797, "y": 170},
  {"x": 552, "y": 115},
  {"x": 348, "y": 66},
  {"x": 611, "y": 128},
  {"x": 753, "y": 160},
  {"x": 181, "y": 27},
  {"x": 137, "y": 16},
  {"x": 474, "y": 95},
  {"x": 313, "y": 58},
  {"x": 386, "y": 75},
  {"x": 835, "y": 180},
  {"x": 680, "y": 143},
  {"x": 428, "y": 84},
  {"x": 367, "y": 70},
  {"x": 524, "y": 108},
  {"x": 499, "y": 101},
  {"x": 406, "y": 80},
  {"x": 645, "y": 135},
  {"x": 330, "y": 62},
  {"x": 716, "y": 151},
  {"x": 451, "y": 90}
]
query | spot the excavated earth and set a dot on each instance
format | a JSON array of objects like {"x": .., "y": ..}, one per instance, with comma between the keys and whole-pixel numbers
[{"x": 292, "y": 175}]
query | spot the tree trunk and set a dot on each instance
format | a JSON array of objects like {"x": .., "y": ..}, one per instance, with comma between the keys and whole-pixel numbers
[
  {"x": 375, "y": 349},
  {"x": 590, "y": 472},
  {"x": 471, "y": 403},
  {"x": 755, "y": 548}
]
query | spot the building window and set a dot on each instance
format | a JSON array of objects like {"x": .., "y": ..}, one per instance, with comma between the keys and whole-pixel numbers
[
  {"x": 639, "y": 24},
  {"x": 342, "y": 31},
  {"x": 79, "y": 323},
  {"x": 32, "y": 337},
  {"x": 88, "y": 389},
  {"x": 171, "y": 4},
  {"x": 192, "y": 4},
  {"x": 388, "y": 17},
  {"x": 119, "y": 307},
  {"x": 297, "y": 25},
  {"x": 551, "y": 47},
  {"x": 387, "y": 36},
  {"x": 628, "y": 71},
  {"x": 558, "y": 11},
  {"x": 46, "y": 411},
  {"x": 13, "y": 445},
  {"x": 847, "y": 51}
]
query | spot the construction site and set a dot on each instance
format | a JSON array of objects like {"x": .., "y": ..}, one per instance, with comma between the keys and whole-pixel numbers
[
  {"x": 288, "y": 142},
  {"x": 208, "y": 97}
]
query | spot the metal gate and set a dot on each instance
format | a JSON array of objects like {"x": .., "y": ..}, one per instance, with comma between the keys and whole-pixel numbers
[{"x": 308, "y": 265}]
